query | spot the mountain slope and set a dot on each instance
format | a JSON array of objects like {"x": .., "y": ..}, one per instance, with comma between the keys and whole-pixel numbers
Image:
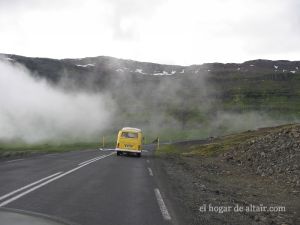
[{"x": 183, "y": 97}]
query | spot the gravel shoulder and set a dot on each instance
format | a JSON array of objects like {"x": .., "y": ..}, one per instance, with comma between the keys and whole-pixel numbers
[{"x": 254, "y": 171}]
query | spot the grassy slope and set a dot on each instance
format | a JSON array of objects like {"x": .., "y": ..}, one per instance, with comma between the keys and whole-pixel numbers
[
  {"x": 216, "y": 146},
  {"x": 275, "y": 93},
  {"x": 21, "y": 149}
]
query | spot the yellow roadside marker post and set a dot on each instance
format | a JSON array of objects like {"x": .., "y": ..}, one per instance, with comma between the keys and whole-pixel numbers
[{"x": 103, "y": 142}]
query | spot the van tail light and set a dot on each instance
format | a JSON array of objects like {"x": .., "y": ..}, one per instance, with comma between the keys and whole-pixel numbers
[
  {"x": 118, "y": 145},
  {"x": 139, "y": 147}
]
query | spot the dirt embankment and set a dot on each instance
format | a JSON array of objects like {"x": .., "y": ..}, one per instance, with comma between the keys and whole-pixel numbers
[
  {"x": 275, "y": 155},
  {"x": 247, "y": 178}
]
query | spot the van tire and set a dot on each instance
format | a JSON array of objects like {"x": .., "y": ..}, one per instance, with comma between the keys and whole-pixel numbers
[
  {"x": 138, "y": 154},
  {"x": 118, "y": 153}
]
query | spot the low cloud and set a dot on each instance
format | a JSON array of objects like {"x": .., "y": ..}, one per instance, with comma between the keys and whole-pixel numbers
[{"x": 33, "y": 111}]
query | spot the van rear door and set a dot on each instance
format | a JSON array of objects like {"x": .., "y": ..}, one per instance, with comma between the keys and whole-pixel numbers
[{"x": 129, "y": 140}]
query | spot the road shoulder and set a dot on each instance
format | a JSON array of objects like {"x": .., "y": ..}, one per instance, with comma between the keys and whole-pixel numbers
[{"x": 193, "y": 181}]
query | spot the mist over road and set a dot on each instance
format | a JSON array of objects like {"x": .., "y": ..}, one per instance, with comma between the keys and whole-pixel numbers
[
  {"x": 34, "y": 111},
  {"x": 85, "y": 187}
]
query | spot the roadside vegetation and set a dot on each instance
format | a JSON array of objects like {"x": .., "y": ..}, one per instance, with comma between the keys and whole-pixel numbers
[
  {"x": 215, "y": 146},
  {"x": 22, "y": 149},
  {"x": 18, "y": 149}
]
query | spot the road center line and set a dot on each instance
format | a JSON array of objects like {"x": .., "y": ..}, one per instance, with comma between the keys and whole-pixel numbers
[
  {"x": 147, "y": 161},
  {"x": 47, "y": 182},
  {"x": 27, "y": 186},
  {"x": 90, "y": 160},
  {"x": 150, "y": 172},
  {"x": 162, "y": 205},
  {"x": 106, "y": 149}
]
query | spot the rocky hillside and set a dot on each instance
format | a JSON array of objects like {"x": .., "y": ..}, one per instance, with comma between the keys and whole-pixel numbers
[
  {"x": 258, "y": 168},
  {"x": 275, "y": 154}
]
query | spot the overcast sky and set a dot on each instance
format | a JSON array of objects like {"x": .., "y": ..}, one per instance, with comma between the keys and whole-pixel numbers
[{"x": 165, "y": 31}]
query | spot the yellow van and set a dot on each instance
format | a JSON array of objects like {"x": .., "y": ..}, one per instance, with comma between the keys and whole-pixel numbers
[{"x": 130, "y": 140}]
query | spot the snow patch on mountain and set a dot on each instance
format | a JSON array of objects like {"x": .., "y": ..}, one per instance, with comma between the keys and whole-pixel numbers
[
  {"x": 140, "y": 71},
  {"x": 9, "y": 59},
  {"x": 86, "y": 65},
  {"x": 163, "y": 73}
]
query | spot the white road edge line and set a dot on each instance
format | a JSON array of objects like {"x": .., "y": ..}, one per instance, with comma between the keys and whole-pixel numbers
[
  {"x": 27, "y": 186},
  {"x": 15, "y": 160},
  {"x": 162, "y": 206},
  {"x": 45, "y": 183},
  {"x": 150, "y": 172}
]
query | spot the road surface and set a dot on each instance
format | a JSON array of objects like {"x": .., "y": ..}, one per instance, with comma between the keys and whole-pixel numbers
[{"x": 90, "y": 187}]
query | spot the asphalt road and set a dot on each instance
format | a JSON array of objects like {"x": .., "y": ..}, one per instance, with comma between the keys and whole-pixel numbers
[{"x": 88, "y": 187}]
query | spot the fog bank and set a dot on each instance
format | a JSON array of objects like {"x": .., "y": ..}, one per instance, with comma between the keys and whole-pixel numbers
[{"x": 33, "y": 111}]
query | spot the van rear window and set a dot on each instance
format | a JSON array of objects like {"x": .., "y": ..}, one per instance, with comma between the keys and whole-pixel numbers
[{"x": 129, "y": 135}]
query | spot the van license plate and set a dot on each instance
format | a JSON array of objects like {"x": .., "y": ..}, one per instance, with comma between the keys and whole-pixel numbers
[{"x": 128, "y": 146}]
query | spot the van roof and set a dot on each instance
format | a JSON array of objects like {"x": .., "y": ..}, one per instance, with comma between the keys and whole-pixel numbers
[{"x": 131, "y": 129}]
